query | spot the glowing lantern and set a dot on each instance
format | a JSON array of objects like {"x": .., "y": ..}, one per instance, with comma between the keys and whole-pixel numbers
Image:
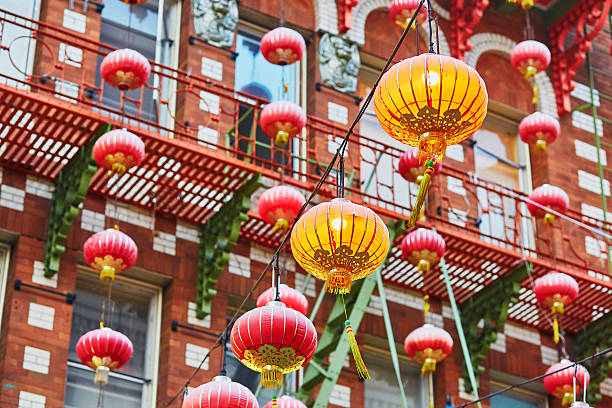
[
  {"x": 110, "y": 252},
  {"x": 104, "y": 350},
  {"x": 530, "y": 57},
  {"x": 410, "y": 168},
  {"x": 548, "y": 196},
  {"x": 118, "y": 151},
  {"x": 340, "y": 242},
  {"x": 430, "y": 101},
  {"x": 282, "y": 120},
  {"x": 556, "y": 290},
  {"x": 292, "y": 298},
  {"x": 401, "y": 12},
  {"x": 282, "y": 46},
  {"x": 273, "y": 340},
  {"x": 561, "y": 384},
  {"x": 539, "y": 129},
  {"x": 285, "y": 402},
  {"x": 428, "y": 345},
  {"x": 221, "y": 392},
  {"x": 278, "y": 206},
  {"x": 125, "y": 69}
]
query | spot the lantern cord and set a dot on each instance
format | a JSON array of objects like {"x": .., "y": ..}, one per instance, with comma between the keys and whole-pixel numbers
[
  {"x": 340, "y": 178},
  {"x": 339, "y": 151},
  {"x": 223, "y": 370},
  {"x": 416, "y": 36},
  {"x": 430, "y": 20},
  {"x": 101, "y": 397},
  {"x": 437, "y": 35},
  {"x": 431, "y": 390},
  {"x": 535, "y": 379},
  {"x": 277, "y": 279}
]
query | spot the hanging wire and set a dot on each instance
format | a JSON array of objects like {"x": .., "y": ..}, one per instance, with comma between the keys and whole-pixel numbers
[
  {"x": 277, "y": 279},
  {"x": 223, "y": 371},
  {"x": 430, "y": 21}
]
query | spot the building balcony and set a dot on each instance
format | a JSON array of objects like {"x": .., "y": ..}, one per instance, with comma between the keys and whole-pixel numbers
[{"x": 203, "y": 141}]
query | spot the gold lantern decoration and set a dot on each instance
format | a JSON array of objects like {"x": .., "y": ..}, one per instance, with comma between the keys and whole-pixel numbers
[{"x": 430, "y": 102}]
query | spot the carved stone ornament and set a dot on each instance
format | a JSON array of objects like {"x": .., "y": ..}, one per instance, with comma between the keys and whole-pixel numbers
[
  {"x": 339, "y": 62},
  {"x": 215, "y": 21}
]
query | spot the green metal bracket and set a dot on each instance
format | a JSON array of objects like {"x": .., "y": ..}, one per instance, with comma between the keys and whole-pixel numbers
[
  {"x": 70, "y": 190},
  {"x": 591, "y": 339},
  {"x": 218, "y": 236},
  {"x": 333, "y": 338},
  {"x": 489, "y": 306}
]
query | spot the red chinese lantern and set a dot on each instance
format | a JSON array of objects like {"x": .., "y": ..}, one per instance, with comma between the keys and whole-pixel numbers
[
  {"x": 292, "y": 298},
  {"x": 103, "y": 350},
  {"x": 221, "y": 392},
  {"x": 538, "y": 130},
  {"x": 401, "y": 12},
  {"x": 548, "y": 196},
  {"x": 282, "y": 46},
  {"x": 133, "y": 2},
  {"x": 561, "y": 384},
  {"x": 278, "y": 206},
  {"x": 556, "y": 290},
  {"x": 428, "y": 345},
  {"x": 125, "y": 69},
  {"x": 282, "y": 120},
  {"x": 118, "y": 151},
  {"x": 423, "y": 248},
  {"x": 285, "y": 402},
  {"x": 411, "y": 169},
  {"x": 530, "y": 57},
  {"x": 110, "y": 252},
  {"x": 273, "y": 340}
]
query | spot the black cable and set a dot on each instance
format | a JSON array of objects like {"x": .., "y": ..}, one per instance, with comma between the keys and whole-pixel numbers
[
  {"x": 277, "y": 280},
  {"x": 538, "y": 378},
  {"x": 223, "y": 371},
  {"x": 340, "y": 178},
  {"x": 430, "y": 20},
  {"x": 339, "y": 152}
]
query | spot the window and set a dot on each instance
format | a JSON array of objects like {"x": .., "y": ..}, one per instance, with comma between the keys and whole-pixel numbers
[
  {"x": 4, "y": 269},
  {"x": 135, "y": 314},
  {"x": 382, "y": 391},
  {"x": 139, "y": 28},
  {"x": 519, "y": 399}
]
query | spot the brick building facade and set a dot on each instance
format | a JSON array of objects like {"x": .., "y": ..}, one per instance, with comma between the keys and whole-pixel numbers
[{"x": 189, "y": 116}]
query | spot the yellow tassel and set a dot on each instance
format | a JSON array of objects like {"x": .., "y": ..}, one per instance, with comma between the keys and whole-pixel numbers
[
  {"x": 281, "y": 225},
  {"x": 271, "y": 377},
  {"x": 540, "y": 146},
  {"x": 556, "y": 329},
  {"x": 549, "y": 219},
  {"x": 534, "y": 99},
  {"x": 420, "y": 200},
  {"x": 423, "y": 266},
  {"x": 359, "y": 364},
  {"x": 281, "y": 138},
  {"x": 425, "y": 304},
  {"x": 567, "y": 399},
  {"x": 429, "y": 366}
]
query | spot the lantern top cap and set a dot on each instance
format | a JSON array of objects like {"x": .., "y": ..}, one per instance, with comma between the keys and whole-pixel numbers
[
  {"x": 275, "y": 303},
  {"x": 222, "y": 378},
  {"x": 340, "y": 200}
]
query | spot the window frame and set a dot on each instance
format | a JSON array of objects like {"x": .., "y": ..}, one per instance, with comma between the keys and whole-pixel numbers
[
  {"x": 4, "y": 265},
  {"x": 153, "y": 337},
  {"x": 526, "y": 395}
]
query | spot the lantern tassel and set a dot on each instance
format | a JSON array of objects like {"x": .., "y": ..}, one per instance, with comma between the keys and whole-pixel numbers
[
  {"x": 359, "y": 364},
  {"x": 281, "y": 225},
  {"x": 431, "y": 390},
  {"x": 426, "y": 305},
  {"x": 567, "y": 399},
  {"x": 556, "y": 329},
  {"x": 530, "y": 73},
  {"x": 271, "y": 377},
  {"x": 420, "y": 200},
  {"x": 274, "y": 402}
]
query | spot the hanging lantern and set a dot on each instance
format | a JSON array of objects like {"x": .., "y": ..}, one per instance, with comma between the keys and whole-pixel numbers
[
  {"x": 556, "y": 290},
  {"x": 104, "y": 350},
  {"x": 282, "y": 46},
  {"x": 411, "y": 169},
  {"x": 282, "y": 120},
  {"x": 278, "y": 206},
  {"x": 561, "y": 384},
  {"x": 285, "y": 402},
  {"x": 428, "y": 345},
  {"x": 401, "y": 12},
  {"x": 118, "y": 151},
  {"x": 340, "y": 242},
  {"x": 221, "y": 392},
  {"x": 430, "y": 101},
  {"x": 529, "y": 58},
  {"x": 110, "y": 252},
  {"x": 538, "y": 130},
  {"x": 423, "y": 248},
  {"x": 292, "y": 298},
  {"x": 134, "y": 2},
  {"x": 525, "y": 4},
  {"x": 125, "y": 69},
  {"x": 273, "y": 340},
  {"x": 548, "y": 196}
]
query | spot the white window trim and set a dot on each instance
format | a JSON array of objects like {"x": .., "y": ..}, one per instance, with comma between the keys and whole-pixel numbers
[
  {"x": 4, "y": 272},
  {"x": 154, "y": 337}
]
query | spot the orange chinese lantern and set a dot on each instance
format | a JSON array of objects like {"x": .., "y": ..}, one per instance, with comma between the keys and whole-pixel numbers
[
  {"x": 292, "y": 298},
  {"x": 430, "y": 101},
  {"x": 547, "y": 196},
  {"x": 282, "y": 120},
  {"x": 125, "y": 69},
  {"x": 556, "y": 290},
  {"x": 401, "y": 12},
  {"x": 118, "y": 151},
  {"x": 561, "y": 384},
  {"x": 221, "y": 392},
  {"x": 273, "y": 340},
  {"x": 282, "y": 46},
  {"x": 538, "y": 130},
  {"x": 110, "y": 252},
  {"x": 529, "y": 58},
  {"x": 104, "y": 350}
]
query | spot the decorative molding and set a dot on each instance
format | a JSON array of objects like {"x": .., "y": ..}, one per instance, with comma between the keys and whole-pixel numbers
[
  {"x": 326, "y": 16},
  {"x": 464, "y": 17},
  {"x": 339, "y": 62},
  {"x": 215, "y": 21},
  {"x": 485, "y": 42}
]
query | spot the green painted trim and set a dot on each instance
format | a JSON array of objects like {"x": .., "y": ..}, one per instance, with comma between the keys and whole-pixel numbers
[
  {"x": 588, "y": 341},
  {"x": 70, "y": 190},
  {"x": 317, "y": 305},
  {"x": 558, "y": 10},
  {"x": 218, "y": 236}
]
